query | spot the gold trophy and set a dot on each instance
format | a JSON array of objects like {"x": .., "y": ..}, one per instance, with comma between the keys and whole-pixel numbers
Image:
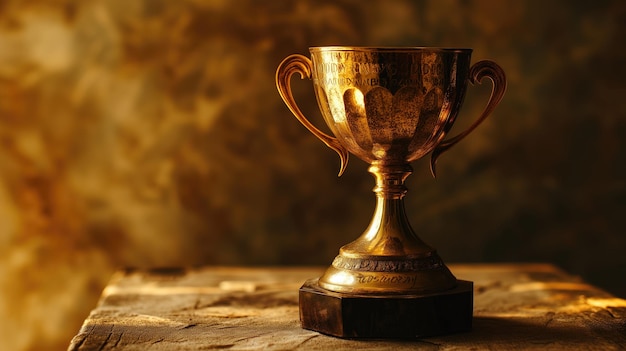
[{"x": 388, "y": 107}]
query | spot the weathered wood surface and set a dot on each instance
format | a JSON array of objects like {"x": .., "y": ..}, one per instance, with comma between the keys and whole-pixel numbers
[{"x": 527, "y": 306}]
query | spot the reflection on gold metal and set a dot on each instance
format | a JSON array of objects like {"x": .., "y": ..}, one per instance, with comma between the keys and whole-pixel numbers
[{"x": 388, "y": 106}]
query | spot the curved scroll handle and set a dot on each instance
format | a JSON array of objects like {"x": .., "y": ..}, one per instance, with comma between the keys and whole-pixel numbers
[
  {"x": 301, "y": 64},
  {"x": 477, "y": 72}
]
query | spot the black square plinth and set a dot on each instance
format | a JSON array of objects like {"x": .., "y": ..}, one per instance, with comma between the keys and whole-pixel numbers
[{"x": 386, "y": 316}]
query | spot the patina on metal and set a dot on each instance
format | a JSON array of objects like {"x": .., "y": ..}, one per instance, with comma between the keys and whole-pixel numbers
[{"x": 388, "y": 107}]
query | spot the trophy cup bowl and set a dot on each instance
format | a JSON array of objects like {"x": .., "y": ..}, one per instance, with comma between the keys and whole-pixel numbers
[{"x": 388, "y": 107}]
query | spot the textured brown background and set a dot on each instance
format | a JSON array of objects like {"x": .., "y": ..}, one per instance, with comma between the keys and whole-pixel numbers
[{"x": 150, "y": 133}]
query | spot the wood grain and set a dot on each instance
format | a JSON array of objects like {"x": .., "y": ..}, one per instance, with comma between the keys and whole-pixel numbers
[{"x": 517, "y": 306}]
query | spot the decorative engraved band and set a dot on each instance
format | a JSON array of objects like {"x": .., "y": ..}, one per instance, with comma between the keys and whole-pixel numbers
[{"x": 383, "y": 265}]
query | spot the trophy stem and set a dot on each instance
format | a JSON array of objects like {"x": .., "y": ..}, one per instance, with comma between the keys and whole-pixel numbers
[
  {"x": 388, "y": 257},
  {"x": 389, "y": 233}
]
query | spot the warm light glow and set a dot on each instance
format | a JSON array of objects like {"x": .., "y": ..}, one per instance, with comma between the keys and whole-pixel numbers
[
  {"x": 359, "y": 99},
  {"x": 541, "y": 286},
  {"x": 606, "y": 302},
  {"x": 341, "y": 278}
]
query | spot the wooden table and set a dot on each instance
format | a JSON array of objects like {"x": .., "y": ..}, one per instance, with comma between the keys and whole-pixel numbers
[{"x": 517, "y": 306}]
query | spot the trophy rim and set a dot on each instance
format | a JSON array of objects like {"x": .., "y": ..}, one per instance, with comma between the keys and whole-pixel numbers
[{"x": 390, "y": 49}]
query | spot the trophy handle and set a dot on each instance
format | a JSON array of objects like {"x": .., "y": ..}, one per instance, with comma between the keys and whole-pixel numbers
[
  {"x": 301, "y": 64},
  {"x": 477, "y": 72}
]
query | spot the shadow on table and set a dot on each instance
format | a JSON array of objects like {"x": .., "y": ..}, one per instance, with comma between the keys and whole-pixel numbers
[{"x": 520, "y": 331}]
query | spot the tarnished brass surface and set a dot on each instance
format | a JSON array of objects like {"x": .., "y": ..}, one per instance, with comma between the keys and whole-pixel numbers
[{"x": 388, "y": 106}]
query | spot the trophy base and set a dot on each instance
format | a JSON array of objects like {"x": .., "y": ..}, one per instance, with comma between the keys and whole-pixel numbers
[{"x": 386, "y": 316}]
